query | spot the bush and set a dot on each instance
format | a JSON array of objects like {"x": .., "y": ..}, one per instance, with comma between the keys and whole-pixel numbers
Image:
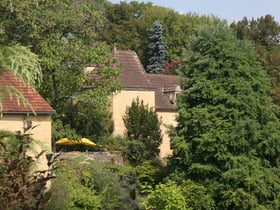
[
  {"x": 143, "y": 126},
  {"x": 112, "y": 143},
  {"x": 167, "y": 196},
  {"x": 135, "y": 152},
  {"x": 85, "y": 184},
  {"x": 22, "y": 184},
  {"x": 149, "y": 174}
]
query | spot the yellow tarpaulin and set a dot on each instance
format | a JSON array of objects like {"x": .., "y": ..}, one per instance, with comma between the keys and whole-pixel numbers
[
  {"x": 65, "y": 141},
  {"x": 83, "y": 141},
  {"x": 87, "y": 142}
]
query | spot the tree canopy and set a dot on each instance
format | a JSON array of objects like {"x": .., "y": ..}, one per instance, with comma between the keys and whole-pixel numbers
[
  {"x": 227, "y": 136},
  {"x": 62, "y": 34},
  {"x": 264, "y": 32},
  {"x": 128, "y": 26}
]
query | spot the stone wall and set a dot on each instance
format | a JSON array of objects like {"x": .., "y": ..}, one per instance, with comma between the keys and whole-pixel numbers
[
  {"x": 106, "y": 157},
  {"x": 101, "y": 157}
]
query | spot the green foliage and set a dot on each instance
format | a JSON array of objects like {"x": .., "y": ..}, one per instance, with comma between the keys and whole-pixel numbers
[
  {"x": 89, "y": 116},
  {"x": 60, "y": 131},
  {"x": 143, "y": 129},
  {"x": 157, "y": 49},
  {"x": 22, "y": 183},
  {"x": 68, "y": 192},
  {"x": 149, "y": 174},
  {"x": 166, "y": 196},
  {"x": 113, "y": 143},
  {"x": 225, "y": 116},
  {"x": 135, "y": 152},
  {"x": 85, "y": 184},
  {"x": 196, "y": 195},
  {"x": 128, "y": 26},
  {"x": 264, "y": 32},
  {"x": 63, "y": 35},
  {"x": 22, "y": 62}
]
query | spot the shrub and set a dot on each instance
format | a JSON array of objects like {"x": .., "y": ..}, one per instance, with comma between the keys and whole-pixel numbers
[
  {"x": 85, "y": 184},
  {"x": 166, "y": 197},
  {"x": 143, "y": 126},
  {"x": 112, "y": 143},
  {"x": 22, "y": 183}
]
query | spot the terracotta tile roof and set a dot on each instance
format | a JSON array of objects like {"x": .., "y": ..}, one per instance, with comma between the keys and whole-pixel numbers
[
  {"x": 132, "y": 75},
  {"x": 11, "y": 105},
  {"x": 166, "y": 85}
]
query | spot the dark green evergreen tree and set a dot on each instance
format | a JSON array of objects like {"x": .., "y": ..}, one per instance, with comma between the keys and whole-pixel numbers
[
  {"x": 143, "y": 126},
  {"x": 228, "y": 138},
  {"x": 157, "y": 49}
]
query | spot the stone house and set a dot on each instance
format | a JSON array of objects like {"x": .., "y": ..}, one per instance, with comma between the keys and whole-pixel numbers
[
  {"x": 17, "y": 117},
  {"x": 157, "y": 90}
]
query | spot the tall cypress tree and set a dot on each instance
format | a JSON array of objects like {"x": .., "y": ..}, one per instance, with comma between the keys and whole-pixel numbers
[
  {"x": 228, "y": 134},
  {"x": 157, "y": 49}
]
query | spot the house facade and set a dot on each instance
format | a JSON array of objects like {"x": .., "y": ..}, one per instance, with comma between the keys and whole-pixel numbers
[
  {"x": 156, "y": 90},
  {"x": 18, "y": 117}
]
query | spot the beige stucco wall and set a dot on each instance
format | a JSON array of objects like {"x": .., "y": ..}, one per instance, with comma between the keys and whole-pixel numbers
[
  {"x": 122, "y": 100},
  {"x": 42, "y": 131},
  {"x": 167, "y": 118}
]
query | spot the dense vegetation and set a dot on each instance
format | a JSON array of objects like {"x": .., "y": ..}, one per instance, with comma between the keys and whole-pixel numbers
[
  {"x": 23, "y": 184},
  {"x": 227, "y": 138},
  {"x": 226, "y": 145}
]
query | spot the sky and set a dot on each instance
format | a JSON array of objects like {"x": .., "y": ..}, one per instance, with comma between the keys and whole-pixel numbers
[{"x": 231, "y": 10}]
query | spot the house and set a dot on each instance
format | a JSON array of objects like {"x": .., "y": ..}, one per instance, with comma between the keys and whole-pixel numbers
[
  {"x": 157, "y": 90},
  {"x": 18, "y": 117}
]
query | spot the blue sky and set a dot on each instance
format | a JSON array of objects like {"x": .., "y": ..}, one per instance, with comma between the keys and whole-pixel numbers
[{"x": 231, "y": 10}]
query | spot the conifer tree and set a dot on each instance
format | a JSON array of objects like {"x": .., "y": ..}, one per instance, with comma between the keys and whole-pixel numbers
[
  {"x": 227, "y": 137},
  {"x": 143, "y": 126},
  {"x": 157, "y": 49}
]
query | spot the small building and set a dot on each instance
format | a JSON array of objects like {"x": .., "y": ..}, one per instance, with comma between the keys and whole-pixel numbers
[
  {"x": 19, "y": 117},
  {"x": 157, "y": 90}
]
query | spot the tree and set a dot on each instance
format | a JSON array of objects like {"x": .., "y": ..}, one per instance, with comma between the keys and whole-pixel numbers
[
  {"x": 143, "y": 126},
  {"x": 63, "y": 35},
  {"x": 125, "y": 26},
  {"x": 227, "y": 138},
  {"x": 128, "y": 26},
  {"x": 157, "y": 49},
  {"x": 264, "y": 32}
]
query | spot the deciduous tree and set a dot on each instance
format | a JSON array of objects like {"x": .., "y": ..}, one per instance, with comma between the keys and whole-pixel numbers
[{"x": 264, "y": 32}]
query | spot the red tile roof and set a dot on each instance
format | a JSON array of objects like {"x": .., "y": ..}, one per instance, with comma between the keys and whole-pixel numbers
[{"x": 11, "y": 105}]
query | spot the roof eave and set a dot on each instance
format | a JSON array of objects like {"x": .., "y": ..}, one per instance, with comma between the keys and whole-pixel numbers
[
  {"x": 166, "y": 110},
  {"x": 29, "y": 112}
]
